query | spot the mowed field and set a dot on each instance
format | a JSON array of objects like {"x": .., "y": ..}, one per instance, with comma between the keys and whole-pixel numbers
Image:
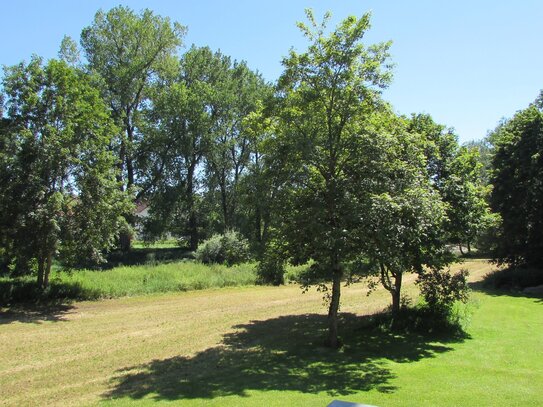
[{"x": 261, "y": 346}]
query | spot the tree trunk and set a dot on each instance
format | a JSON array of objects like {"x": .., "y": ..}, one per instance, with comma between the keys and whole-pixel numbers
[
  {"x": 125, "y": 241},
  {"x": 333, "y": 340},
  {"x": 224, "y": 204},
  {"x": 129, "y": 172},
  {"x": 461, "y": 250},
  {"x": 193, "y": 224},
  {"x": 469, "y": 246},
  {"x": 396, "y": 295},
  {"x": 125, "y": 238},
  {"x": 128, "y": 152},
  {"x": 47, "y": 271},
  {"x": 41, "y": 267}
]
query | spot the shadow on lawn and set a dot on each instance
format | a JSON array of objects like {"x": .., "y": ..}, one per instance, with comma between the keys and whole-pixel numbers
[
  {"x": 512, "y": 282},
  {"x": 34, "y": 313},
  {"x": 281, "y": 354}
]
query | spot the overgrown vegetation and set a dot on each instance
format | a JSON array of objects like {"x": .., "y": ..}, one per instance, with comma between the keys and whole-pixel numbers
[
  {"x": 230, "y": 248},
  {"x": 126, "y": 281}
]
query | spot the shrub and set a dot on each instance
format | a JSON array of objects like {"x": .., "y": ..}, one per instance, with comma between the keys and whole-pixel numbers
[
  {"x": 441, "y": 289},
  {"x": 271, "y": 270},
  {"x": 230, "y": 248},
  {"x": 423, "y": 320}
]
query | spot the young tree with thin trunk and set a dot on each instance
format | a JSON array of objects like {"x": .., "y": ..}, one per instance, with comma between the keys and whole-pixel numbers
[{"x": 325, "y": 94}]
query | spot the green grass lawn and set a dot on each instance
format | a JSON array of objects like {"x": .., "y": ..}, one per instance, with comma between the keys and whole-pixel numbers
[{"x": 261, "y": 346}]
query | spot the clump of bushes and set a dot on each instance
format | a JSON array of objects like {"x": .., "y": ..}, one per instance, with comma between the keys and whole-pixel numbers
[
  {"x": 441, "y": 289},
  {"x": 229, "y": 248},
  {"x": 271, "y": 270},
  {"x": 422, "y": 320},
  {"x": 272, "y": 266},
  {"x": 443, "y": 308}
]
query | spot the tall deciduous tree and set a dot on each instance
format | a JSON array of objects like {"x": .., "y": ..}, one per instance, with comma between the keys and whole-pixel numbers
[
  {"x": 61, "y": 194},
  {"x": 456, "y": 173},
  {"x": 128, "y": 51},
  {"x": 465, "y": 193},
  {"x": 404, "y": 215},
  {"x": 180, "y": 124},
  {"x": 325, "y": 93},
  {"x": 518, "y": 188},
  {"x": 197, "y": 139},
  {"x": 235, "y": 96}
]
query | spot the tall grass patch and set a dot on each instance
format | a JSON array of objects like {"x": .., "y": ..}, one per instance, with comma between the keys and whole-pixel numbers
[{"x": 129, "y": 281}]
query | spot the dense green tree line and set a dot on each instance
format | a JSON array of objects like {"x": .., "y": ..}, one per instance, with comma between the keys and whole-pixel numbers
[
  {"x": 59, "y": 191},
  {"x": 315, "y": 169},
  {"x": 517, "y": 194}
]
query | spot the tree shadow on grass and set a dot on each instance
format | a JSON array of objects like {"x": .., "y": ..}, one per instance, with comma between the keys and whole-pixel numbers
[
  {"x": 35, "y": 314},
  {"x": 512, "y": 282},
  {"x": 283, "y": 354},
  {"x": 25, "y": 294}
]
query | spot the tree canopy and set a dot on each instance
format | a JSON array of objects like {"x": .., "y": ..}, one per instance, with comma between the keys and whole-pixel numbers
[
  {"x": 325, "y": 95},
  {"x": 60, "y": 193},
  {"x": 518, "y": 189}
]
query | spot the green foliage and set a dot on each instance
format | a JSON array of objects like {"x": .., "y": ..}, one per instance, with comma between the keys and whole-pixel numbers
[
  {"x": 69, "y": 51},
  {"x": 126, "y": 281},
  {"x": 272, "y": 266},
  {"x": 229, "y": 248},
  {"x": 518, "y": 190},
  {"x": 440, "y": 146},
  {"x": 485, "y": 152},
  {"x": 61, "y": 197},
  {"x": 458, "y": 174},
  {"x": 325, "y": 95},
  {"x": 403, "y": 226},
  {"x": 126, "y": 52},
  {"x": 196, "y": 128},
  {"x": 449, "y": 322},
  {"x": 514, "y": 278},
  {"x": 441, "y": 289},
  {"x": 463, "y": 190}
]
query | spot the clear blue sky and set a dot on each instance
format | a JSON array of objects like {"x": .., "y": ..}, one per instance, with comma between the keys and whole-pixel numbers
[{"x": 467, "y": 63}]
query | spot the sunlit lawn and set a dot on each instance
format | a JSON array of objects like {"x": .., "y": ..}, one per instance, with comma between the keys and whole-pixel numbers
[{"x": 261, "y": 346}]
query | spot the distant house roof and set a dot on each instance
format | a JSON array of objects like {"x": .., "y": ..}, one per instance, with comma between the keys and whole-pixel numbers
[{"x": 141, "y": 206}]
